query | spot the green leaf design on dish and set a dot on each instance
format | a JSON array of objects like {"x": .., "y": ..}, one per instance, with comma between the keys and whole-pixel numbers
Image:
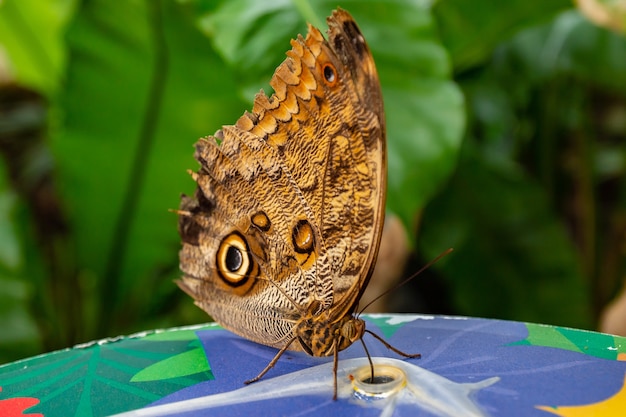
[
  {"x": 180, "y": 334},
  {"x": 187, "y": 363},
  {"x": 599, "y": 345},
  {"x": 389, "y": 323},
  {"x": 83, "y": 381}
]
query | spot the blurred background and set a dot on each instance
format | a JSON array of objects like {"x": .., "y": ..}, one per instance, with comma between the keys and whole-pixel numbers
[{"x": 506, "y": 136}]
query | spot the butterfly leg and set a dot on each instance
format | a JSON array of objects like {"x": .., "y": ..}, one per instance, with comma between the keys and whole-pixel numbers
[
  {"x": 271, "y": 364},
  {"x": 335, "y": 363}
]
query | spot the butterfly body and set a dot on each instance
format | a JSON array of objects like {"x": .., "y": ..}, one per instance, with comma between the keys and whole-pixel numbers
[
  {"x": 282, "y": 234},
  {"x": 319, "y": 335}
]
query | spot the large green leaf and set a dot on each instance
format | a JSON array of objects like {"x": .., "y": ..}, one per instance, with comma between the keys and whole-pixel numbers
[
  {"x": 142, "y": 86},
  {"x": 424, "y": 109}
]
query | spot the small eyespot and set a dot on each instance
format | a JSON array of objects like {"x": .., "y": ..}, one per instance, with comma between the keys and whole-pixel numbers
[
  {"x": 302, "y": 237},
  {"x": 260, "y": 220},
  {"x": 330, "y": 74}
]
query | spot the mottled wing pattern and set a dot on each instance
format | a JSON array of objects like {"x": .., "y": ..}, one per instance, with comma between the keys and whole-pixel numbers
[{"x": 287, "y": 216}]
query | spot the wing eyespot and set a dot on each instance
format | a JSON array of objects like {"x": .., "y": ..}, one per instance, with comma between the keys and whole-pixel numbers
[
  {"x": 330, "y": 74},
  {"x": 234, "y": 263},
  {"x": 303, "y": 237}
]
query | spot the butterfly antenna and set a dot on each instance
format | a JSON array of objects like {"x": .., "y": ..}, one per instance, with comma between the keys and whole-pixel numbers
[{"x": 395, "y": 287}]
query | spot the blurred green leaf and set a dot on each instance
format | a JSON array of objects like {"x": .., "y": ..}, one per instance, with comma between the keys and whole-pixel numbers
[
  {"x": 19, "y": 337},
  {"x": 471, "y": 30},
  {"x": 10, "y": 255},
  {"x": 31, "y": 34},
  {"x": 258, "y": 41},
  {"x": 533, "y": 210},
  {"x": 512, "y": 257},
  {"x": 570, "y": 45}
]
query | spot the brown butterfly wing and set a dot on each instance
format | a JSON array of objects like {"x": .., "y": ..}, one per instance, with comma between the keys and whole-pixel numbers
[{"x": 289, "y": 208}]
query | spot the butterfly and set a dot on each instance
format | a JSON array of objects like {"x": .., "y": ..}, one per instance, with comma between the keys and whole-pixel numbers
[{"x": 282, "y": 234}]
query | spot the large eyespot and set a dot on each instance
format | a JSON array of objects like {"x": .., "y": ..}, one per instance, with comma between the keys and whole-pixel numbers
[
  {"x": 330, "y": 74},
  {"x": 234, "y": 263}
]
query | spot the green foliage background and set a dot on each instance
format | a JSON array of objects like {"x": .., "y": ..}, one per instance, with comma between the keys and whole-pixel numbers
[{"x": 506, "y": 125}]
